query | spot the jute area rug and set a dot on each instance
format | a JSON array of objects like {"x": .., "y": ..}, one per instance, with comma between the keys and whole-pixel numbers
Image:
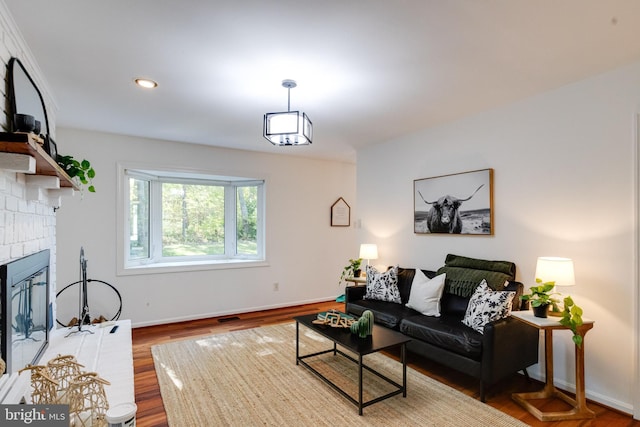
[{"x": 250, "y": 378}]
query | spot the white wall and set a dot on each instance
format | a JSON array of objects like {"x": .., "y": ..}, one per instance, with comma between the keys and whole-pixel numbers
[
  {"x": 305, "y": 254},
  {"x": 564, "y": 186}
]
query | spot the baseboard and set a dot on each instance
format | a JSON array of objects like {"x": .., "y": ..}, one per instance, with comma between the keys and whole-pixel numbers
[{"x": 230, "y": 312}]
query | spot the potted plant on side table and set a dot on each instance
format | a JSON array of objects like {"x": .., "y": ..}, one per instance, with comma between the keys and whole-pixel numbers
[
  {"x": 351, "y": 270},
  {"x": 541, "y": 298}
]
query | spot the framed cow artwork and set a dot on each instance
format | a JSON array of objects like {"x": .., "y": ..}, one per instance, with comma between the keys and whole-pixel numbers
[{"x": 460, "y": 203}]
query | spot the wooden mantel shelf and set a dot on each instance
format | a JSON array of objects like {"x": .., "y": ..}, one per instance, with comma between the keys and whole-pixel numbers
[{"x": 27, "y": 143}]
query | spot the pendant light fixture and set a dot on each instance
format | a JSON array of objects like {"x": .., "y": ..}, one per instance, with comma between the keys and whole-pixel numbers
[{"x": 288, "y": 127}]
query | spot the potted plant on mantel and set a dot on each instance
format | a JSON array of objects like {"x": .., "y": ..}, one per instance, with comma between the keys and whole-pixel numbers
[
  {"x": 80, "y": 171},
  {"x": 351, "y": 270},
  {"x": 541, "y": 298}
]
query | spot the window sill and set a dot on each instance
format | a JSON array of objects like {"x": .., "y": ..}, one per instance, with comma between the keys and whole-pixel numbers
[{"x": 181, "y": 267}]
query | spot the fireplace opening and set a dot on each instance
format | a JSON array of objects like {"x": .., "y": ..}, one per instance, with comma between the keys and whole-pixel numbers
[{"x": 25, "y": 313}]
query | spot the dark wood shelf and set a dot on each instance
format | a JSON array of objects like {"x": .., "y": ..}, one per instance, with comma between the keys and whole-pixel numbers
[{"x": 28, "y": 143}]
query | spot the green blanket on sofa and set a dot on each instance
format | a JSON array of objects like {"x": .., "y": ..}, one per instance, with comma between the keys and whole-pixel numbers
[{"x": 465, "y": 274}]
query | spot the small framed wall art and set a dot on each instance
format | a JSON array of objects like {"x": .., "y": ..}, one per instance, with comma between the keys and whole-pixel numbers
[
  {"x": 459, "y": 203},
  {"x": 340, "y": 214}
]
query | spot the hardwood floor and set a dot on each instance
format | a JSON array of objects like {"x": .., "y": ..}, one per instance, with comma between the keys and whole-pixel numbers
[{"x": 151, "y": 411}]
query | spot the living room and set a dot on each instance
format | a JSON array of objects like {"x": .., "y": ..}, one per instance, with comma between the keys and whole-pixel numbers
[{"x": 565, "y": 184}]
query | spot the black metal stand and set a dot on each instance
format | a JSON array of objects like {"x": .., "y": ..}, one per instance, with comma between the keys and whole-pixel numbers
[{"x": 83, "y": 317}]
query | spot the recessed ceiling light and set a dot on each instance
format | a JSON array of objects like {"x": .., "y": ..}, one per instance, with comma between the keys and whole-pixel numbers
[{"x": 146, "y": 83}]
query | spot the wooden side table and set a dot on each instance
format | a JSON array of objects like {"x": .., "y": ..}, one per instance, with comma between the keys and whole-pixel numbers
[
  {"x": 579, "y": 404},
  {"x": 357, "y": 281}
]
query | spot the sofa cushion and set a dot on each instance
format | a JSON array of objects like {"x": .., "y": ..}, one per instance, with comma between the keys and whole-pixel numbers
[
  {"x": 384, "y": 313},
  {"x": 487, "y": 305},
  {"x": 446, "y": 332},
  {"x": 453, "y": 305},
  {"x": 426, "y": 293},
  {"x": 383, "y": 286},
  {"x": 405, "y": 281}
]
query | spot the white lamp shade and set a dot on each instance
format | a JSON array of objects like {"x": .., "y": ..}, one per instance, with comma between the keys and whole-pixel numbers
[
  {"x": 369, "y": 251},
  {"x": 555, "y": 269},
  {"x": 288, "y": 128},
  {"x": 279, "y": 123}
]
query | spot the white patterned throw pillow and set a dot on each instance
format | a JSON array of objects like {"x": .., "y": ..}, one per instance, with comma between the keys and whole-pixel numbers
[
  {"x": 487, "y": 305},
  {"x": 426, "y": 293},
  {"x": 382, "y": 286}
]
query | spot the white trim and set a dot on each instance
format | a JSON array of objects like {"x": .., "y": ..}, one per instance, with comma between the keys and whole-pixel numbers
[
  {"x": 179, "y": 267},
  {"x": 232, "y": 312},
  {"x": 157, "y": 263},
  {"x": 636, "y": 269},
  {"x": 155, "y": 221},
  {"x": 230, "y": 227}
]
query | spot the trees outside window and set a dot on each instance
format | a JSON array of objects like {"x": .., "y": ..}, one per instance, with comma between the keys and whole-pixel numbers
[{"x": 171, "y": 218}]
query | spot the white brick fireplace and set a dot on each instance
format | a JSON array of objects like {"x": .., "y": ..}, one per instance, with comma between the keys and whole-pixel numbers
[{"x": 26, "y": 226}]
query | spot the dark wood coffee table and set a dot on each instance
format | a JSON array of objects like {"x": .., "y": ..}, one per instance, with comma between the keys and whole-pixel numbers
[{"x": 381, "y": 339}]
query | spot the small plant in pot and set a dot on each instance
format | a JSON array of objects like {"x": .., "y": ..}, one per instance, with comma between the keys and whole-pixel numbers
[
  {"x": 541, "y": 298},
  {"x": 351, "y": 270}
]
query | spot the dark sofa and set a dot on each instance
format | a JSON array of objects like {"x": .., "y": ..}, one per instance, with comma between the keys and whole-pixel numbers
[{"x": 506, "y": 346}]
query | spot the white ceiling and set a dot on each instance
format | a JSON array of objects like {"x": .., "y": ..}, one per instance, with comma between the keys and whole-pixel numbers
[{"x": 367, "y": 70}]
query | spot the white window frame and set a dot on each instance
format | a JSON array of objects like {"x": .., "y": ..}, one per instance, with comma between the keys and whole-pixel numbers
[{"x": 156, "y": 262}]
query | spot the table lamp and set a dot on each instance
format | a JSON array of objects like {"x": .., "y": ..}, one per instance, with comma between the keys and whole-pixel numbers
[
  {"x": 558, "y": 270},
  {"x": 368, "y": 251}
]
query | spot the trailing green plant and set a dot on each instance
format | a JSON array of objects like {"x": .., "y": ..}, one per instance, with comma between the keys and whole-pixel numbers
[
  {"x": 350, "y": 269},
  {"x": 80, "y": 171},
  {"x": 542, "y": 295},
  {"x": 572, "y": 319}
]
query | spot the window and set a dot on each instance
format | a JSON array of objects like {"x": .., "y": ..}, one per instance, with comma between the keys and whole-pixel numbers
[{"x": 175, "y": 218}]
